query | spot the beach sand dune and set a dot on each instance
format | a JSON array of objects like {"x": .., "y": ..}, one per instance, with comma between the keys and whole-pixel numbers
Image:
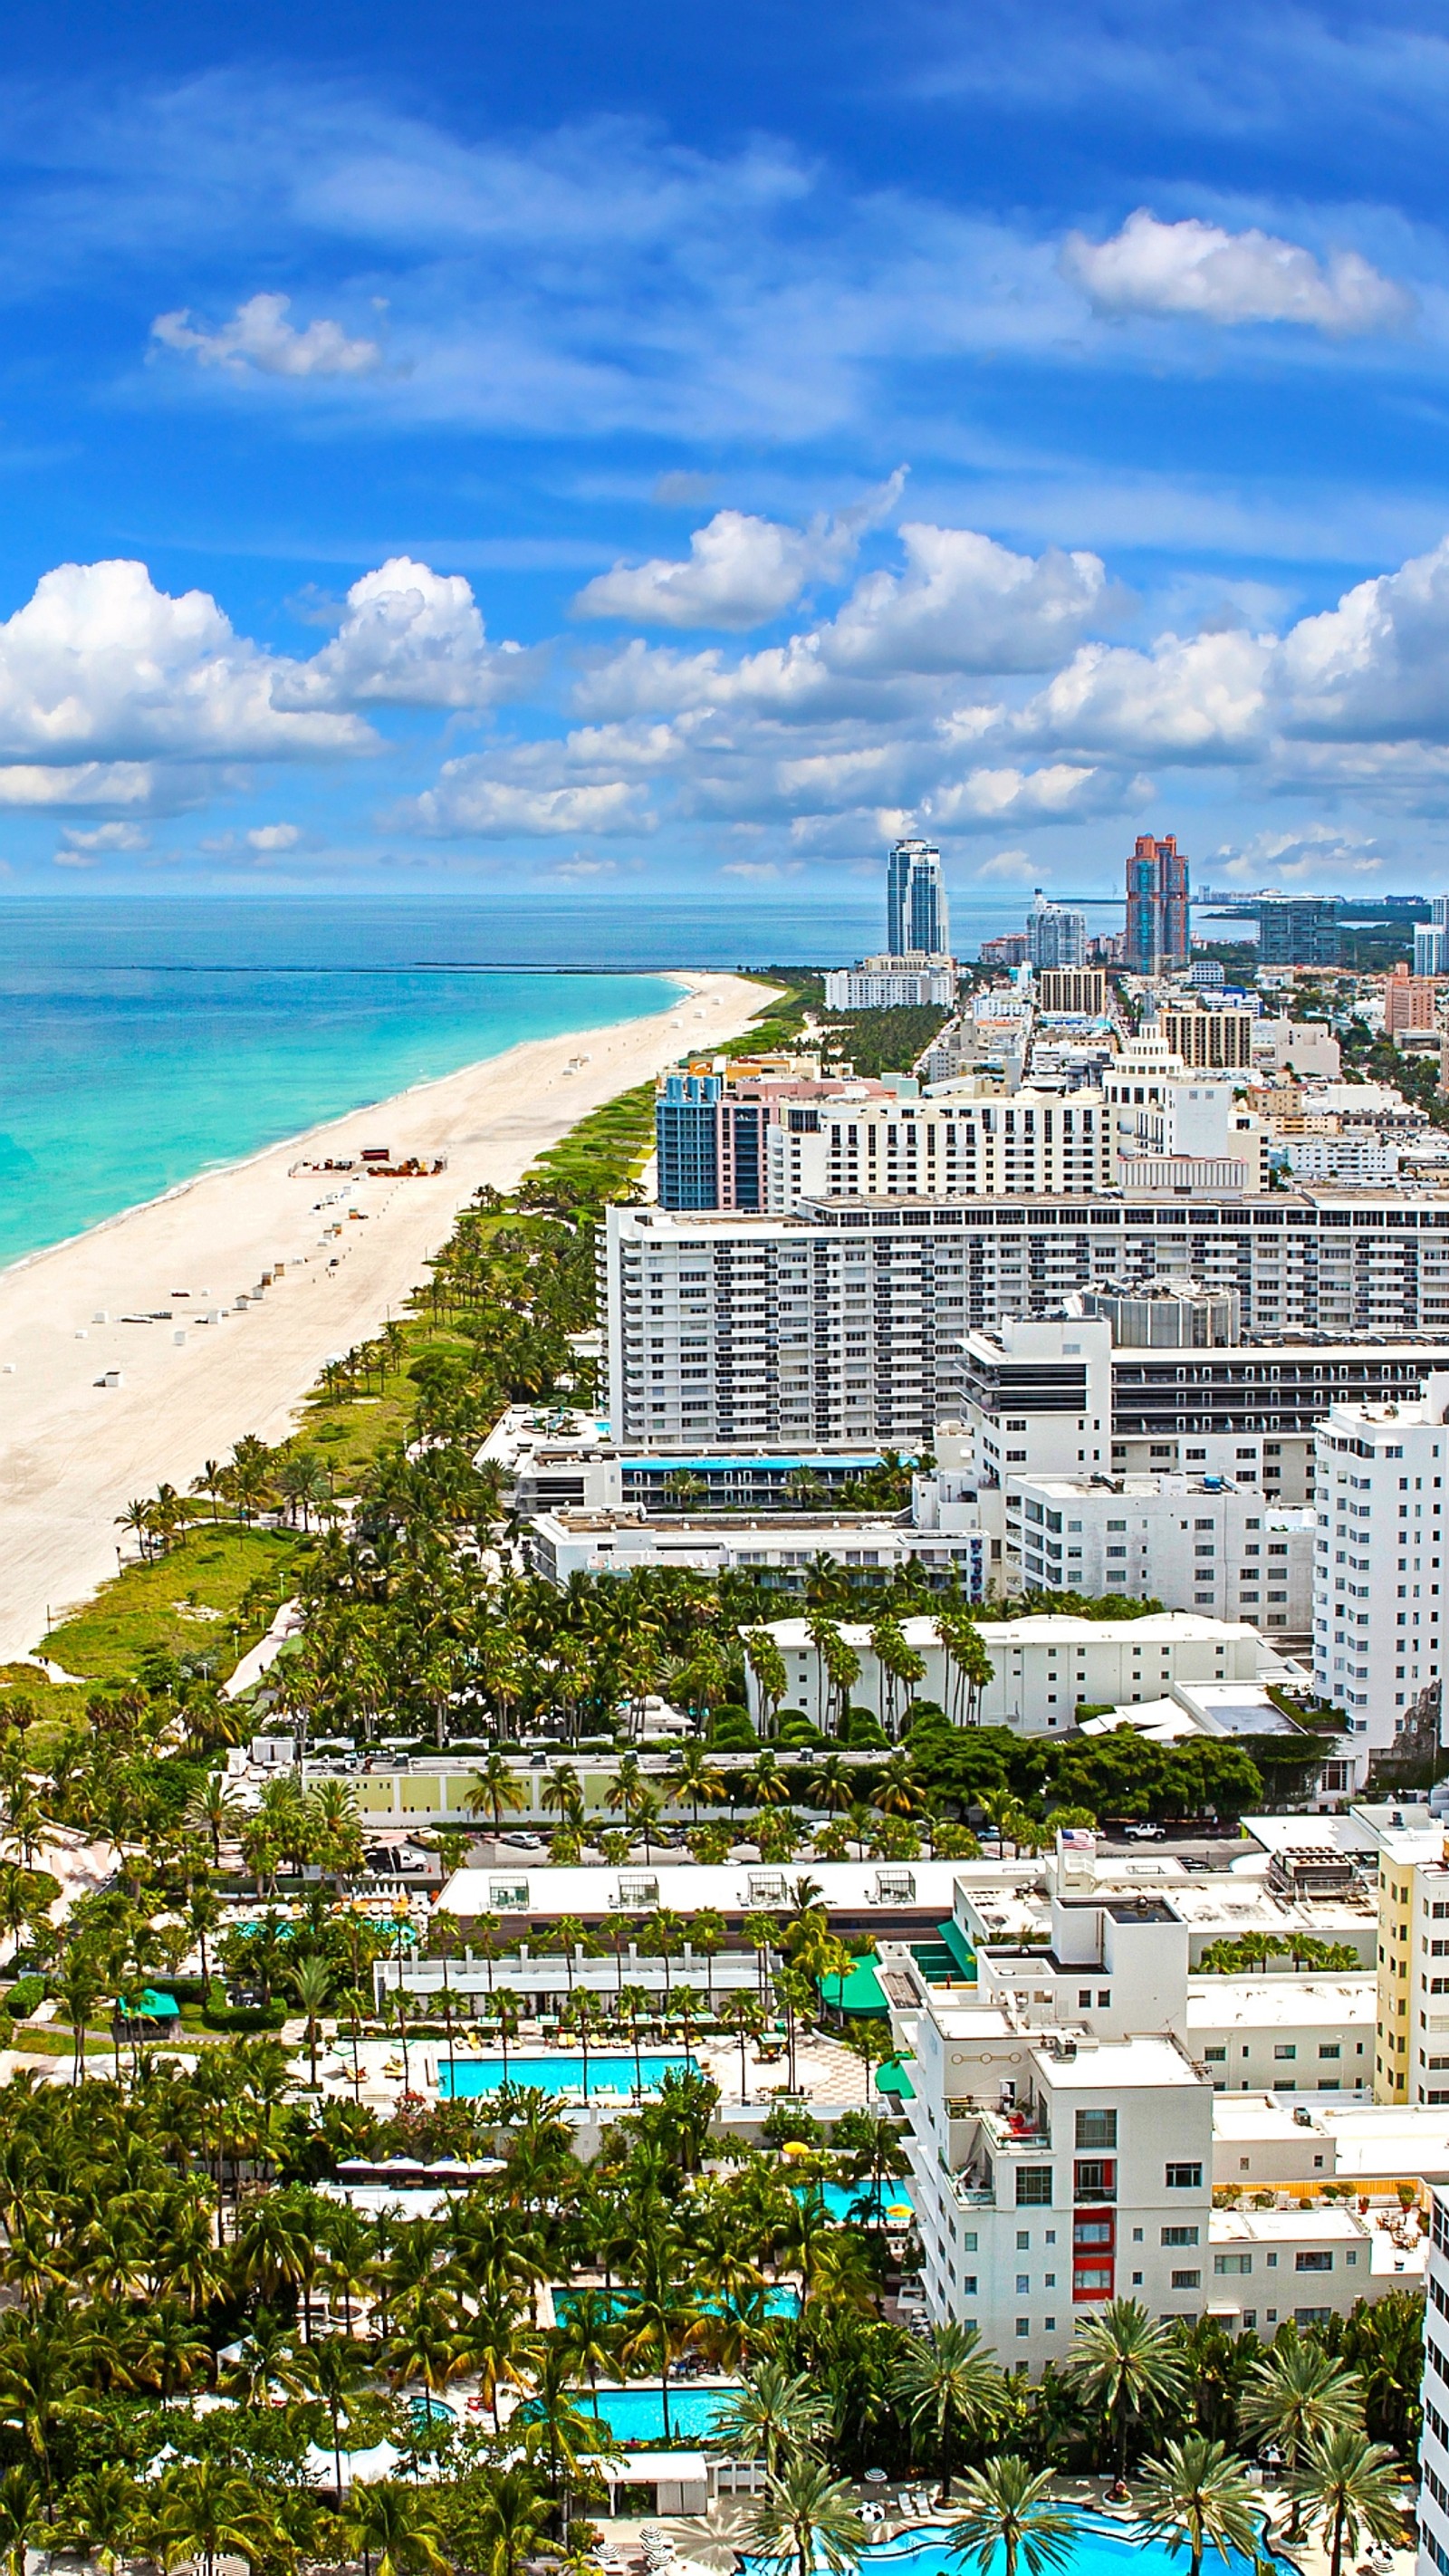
[{"x": 74, "y": 1452}]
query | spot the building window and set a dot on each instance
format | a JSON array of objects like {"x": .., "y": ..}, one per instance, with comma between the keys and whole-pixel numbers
[
  {"x": 1096, "y": 2128},
  {"x": 1034, "y": 2187},
  {"x": 1095, "y": 2180},
  {"x": 1179, "y": 2236},
  {"x": 1187, "y": 2280},
  {"x": 1313, "y": 2262},
  {"x": 1184, "y": 2177},
  {"x": 1226, "y": 2265}
]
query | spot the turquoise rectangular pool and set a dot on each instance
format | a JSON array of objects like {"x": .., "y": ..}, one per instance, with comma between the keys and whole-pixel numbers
[
  {"x": 1098, "y": 2548},
  {"x": 637, "y": 2414},
  {"x": 557, "y": 2073}
]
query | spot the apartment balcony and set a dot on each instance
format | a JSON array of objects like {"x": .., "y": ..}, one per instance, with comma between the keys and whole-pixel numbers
[{"x": 1016, "y": 2133}]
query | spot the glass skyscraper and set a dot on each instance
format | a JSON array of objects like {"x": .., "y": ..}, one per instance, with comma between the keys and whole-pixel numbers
[
  {"x": 917, "y": 920},
  {"x": 1158, "y": 932}
]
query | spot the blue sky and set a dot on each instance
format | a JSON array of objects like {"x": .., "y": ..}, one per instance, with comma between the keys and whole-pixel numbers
[{"x": 668, "y": 452}]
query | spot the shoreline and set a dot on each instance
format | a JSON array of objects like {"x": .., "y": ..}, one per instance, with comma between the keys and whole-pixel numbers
[
  {"x": 132, "y": 1292},
  {"x": 684, "y": 977}
]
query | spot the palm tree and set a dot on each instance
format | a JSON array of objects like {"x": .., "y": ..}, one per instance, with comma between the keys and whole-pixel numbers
[
  {"x": 661, "y": 2316},
  {"x": 697, "y": 1779},
  {"x": 498, "y": 2347},
  {"x": 311, "y": 1983},
  {"x": 1125, "y": 2361},
  {"x": 967, "y": 1660},
  {"x": 511, "y": 2519},
  {"x": 745, "y": 2015},
  {"x": 951, "y": 2392},
  {"x": 772, "y": 2416},
  {"x": 808, "y": 2518},
  {"x": 206, "y": 2511},
  {"x": 427, "y": 2347},
  {"x": 336, "y": 2372},
  {"x": 1006, "y": 2505},
  {"x": 494, "y": 1790},
  {"x": 1297, "y": 2393},
  {"x": 590, "y": 2336},
  {"x": 768, "y": 1666},
  {"x": 1197, "y": 2497},
  {"x": 214, "y": 1811},
  {"x": 1351, "y": 2486},
  {"x": 392, "y": 2528}
]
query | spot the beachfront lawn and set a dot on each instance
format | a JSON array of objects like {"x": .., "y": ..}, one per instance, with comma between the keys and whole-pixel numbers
[{"x": 188, "y": 1602}]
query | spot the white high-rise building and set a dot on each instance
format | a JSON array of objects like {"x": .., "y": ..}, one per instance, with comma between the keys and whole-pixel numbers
[
  {"x": 918, "y": 922},
  {"x": 851, "y": 1319},
  {"x": 1189, "y": 1542},
  {"x": 1381, "y": 1569},
  {"x": 1055, "y": 937},
  {"x": 1029, "y": 1145},
  {"x": 1167, "y": 1116}
]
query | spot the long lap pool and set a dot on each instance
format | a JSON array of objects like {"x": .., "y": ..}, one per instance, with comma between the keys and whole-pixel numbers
[
  {"x": 557, "y": 2073},
  {"x": 1099, "y": 2548},
  {"x": 637, "y": 2414}
]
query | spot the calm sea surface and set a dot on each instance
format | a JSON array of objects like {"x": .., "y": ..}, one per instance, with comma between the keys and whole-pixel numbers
[
  {"x": 142, "y": 1041},
  {"x": 139, "y": 1045}
]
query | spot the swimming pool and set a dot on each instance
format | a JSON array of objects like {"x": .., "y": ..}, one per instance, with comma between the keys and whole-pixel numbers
[
  {"x": 637, "y": 2414},
  {"x": 1099, "y": 2548},
  {"x": 780, "y": 2301},
  {"x": 556, "y": 2073},
  {"x": 840, "y": 2199}
]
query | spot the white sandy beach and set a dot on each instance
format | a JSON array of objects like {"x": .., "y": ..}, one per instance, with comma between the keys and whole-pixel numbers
[{"x": 73, "y": 1453}]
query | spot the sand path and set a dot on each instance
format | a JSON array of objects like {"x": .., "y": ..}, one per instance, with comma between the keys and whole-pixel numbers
[{"x": 73, "y": 1452}]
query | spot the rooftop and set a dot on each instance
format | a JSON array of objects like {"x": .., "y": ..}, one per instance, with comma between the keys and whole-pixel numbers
[
  {"x": 1118, "y": 2063},
  {"x": 1285, "y": 2226},
  {"x": 738, "y": 1887},
  {"x": 1278, "y": 2002},
  {"x": 1158, "y": 1629}
]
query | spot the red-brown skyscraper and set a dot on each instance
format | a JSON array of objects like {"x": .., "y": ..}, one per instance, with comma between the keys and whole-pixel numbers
[{"x": 1158, "y": 929}]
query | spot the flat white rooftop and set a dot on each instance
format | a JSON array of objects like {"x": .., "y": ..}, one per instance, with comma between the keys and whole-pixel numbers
[
  {"x": 926, "y": 1885},
  {"x": 1280, "y": 2002},
  {"x": 1284, "y": 2226},
  {"x": 1146, "y": 2062}
]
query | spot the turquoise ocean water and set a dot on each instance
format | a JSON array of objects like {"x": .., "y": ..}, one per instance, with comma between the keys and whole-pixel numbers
[
  {"x": 141, "y": 1044},
  {"x": 144, "y": 1040}
]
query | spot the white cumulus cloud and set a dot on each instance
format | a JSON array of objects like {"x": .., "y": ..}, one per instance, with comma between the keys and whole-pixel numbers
[
  {"x": 99, "y": 665},
  {"x": 1057, "y": 793},
  {"x": 409, "y": 637},
  {"x": 740, "y": 571},
  {"x": 965, "y": 603},
  {"x": 470, "y": 800},
  {"x": 259, "y": 340},
  {"x": 104, "y": 836},
  {"x": 1211, "y": 275},
  {"x": 1192, "y": 698}
]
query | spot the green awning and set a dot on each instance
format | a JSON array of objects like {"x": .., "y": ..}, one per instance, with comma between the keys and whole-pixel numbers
[
  {"x": 860, "y": 1992},
  {"x": 960, "y": 1948},
  {"x": 153, "y": 2006},
  {"x": 892, "y": 2078}
]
